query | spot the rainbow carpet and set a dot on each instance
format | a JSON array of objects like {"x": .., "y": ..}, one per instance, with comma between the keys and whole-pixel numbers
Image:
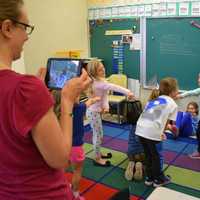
[{"x": 100, "y": 183}]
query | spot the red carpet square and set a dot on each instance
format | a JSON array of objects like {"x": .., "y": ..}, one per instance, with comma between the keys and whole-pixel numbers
[{"x": 85, "y": 183}]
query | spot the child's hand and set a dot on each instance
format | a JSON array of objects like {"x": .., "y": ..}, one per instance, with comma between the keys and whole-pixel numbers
[
  {"x": 131, "y": 96},
  {"x": 178, "y": 96},
  {"x": 92, "y": 100},
  {"x": 163, "y": 136},
  {"x": 105, "y": 110}
]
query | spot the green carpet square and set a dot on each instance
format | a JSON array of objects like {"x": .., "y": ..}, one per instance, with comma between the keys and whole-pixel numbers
[
  {"x": 116, "y": 159},
  {"x": 184, "y": 177}
]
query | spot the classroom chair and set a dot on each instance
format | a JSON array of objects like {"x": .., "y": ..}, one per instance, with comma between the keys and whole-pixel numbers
[{"x": 115, "y": 98}]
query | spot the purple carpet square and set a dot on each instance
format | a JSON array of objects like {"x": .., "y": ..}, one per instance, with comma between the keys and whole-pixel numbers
[
  {"x": 118, "y": 145},
  {"x": 169, "y": 156},
  {"x": 186, "y": 162},
  {"x": 88, "y": 138}
]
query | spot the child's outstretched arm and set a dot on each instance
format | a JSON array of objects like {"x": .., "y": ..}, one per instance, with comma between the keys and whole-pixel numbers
[
  {"x": 91, "y": 101},
  {"x": 194, "y": 92}
]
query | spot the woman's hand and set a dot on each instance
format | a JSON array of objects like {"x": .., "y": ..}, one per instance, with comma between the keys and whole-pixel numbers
[
  {"x": 75, "y": 86},
  {"x": 42, "y": 73}
]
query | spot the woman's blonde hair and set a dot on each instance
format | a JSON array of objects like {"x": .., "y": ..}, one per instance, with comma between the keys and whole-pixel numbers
[
  {"x": 92, "y": 68},
  {"x": 10, "y": 9}
]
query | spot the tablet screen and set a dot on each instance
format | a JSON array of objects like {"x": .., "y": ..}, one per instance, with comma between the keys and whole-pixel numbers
[{"x": 62, "y": 70}]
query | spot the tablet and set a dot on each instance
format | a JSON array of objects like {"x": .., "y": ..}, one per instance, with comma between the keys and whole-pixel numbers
[{"x": 60, "y": 70}]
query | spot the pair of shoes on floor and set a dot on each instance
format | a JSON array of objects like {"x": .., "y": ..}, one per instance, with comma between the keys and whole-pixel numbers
[
  {"x": 106, "y": 164},
  {"x": 162, "y": 181},
  {"x": 195, "y": 155},
  {"x": 129, "y": 171},
  {"x": 148, "y": 181},
  {"x": 138, "y": 175},
  {"x": 157, "y": 182},
  {"x": 134, "y": 170},
  {"x": 107, "y": 156}
]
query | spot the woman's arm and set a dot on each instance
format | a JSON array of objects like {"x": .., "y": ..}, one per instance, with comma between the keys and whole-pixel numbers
[{"x": 54, "y": 140}]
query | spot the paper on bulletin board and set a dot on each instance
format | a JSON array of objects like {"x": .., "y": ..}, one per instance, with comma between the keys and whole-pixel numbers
[
  {"x": 184, "y": 9},
  {"x": 171, "y": 9},
  {"x": 134, "y": 11},
  {"x": 147, "y": 10},
  {"x": 195, "y": 11},
  {"x": 141, "y": 10},
  {"x": 135, "y": 44},
  {"x": 163, "y": 9},
  {"x": 155, "y": 10}
]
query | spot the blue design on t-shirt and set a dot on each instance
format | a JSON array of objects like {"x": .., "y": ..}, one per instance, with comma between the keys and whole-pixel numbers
[{"x": 156, "y": 102}]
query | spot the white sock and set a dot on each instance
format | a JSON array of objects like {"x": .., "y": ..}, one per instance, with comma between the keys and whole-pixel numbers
[{"x": 76, "y": 194}]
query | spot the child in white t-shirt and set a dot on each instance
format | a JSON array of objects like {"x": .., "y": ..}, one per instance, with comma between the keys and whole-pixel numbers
[{"x": 150, "y": 128}]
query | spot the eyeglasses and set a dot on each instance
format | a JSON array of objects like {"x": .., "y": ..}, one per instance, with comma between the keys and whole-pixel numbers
[{"x": 28, "y": 28}]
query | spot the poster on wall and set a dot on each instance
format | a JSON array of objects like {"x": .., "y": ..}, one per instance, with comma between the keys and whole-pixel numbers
[
  {"x": 195, "y": 10},
  {"x": 184, "y": 9},
  {"x": 155, "y": 10},
  {"x": 147, "y": 11},
  {"x": 134, "y": 11},
  {"x": 171, "y": 9},
  {"x": 141, "y": 11},
  {"x": 163, "y": 9},
  {"x": 135, "y": 42}
]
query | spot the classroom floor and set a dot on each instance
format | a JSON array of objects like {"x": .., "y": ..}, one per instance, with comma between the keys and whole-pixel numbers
[{"x": 100, "y": 183}]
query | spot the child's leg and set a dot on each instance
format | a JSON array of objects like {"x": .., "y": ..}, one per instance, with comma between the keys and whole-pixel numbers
[
  {"x": 159, "y": 147},
  {"x": 97, "y": 130},
  {"x": 198, "y": 137},
  {"x": 148, "y": 159},
  {"x": 77, "y": 158},
  {"x": 185, "y": 125},
  {"x": 196, "y": 154},
  {"x": 77, "y": 174}
]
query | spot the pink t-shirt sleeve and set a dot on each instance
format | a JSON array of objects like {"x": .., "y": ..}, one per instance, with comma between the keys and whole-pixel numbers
[{"x": 31, "y": 101}]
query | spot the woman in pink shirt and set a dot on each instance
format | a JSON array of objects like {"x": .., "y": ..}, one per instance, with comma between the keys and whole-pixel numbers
[
  {"x": 34, "y": 146},
  {"x": 100, "y": 88}
]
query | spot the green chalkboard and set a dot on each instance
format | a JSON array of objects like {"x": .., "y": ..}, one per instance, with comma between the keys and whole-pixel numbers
[
  {"x": 173, "y": 49},
  {"x": 101, "y": 45}
]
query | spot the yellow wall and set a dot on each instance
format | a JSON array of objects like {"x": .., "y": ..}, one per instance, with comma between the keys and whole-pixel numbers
[{"x": 59, "y": 25}]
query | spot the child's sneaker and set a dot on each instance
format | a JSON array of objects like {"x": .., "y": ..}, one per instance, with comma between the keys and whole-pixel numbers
[
  {"x": 162, "y": 181},
  {"x": 195, "y": 155},
  {"x": 148, "y": 181},
  {"x": 129, "y": 171},
  {"x": 138, "y": 175}
]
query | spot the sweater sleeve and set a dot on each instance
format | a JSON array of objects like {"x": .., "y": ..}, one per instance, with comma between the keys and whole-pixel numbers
[
  {"x": 113, "y": 87},
  {"x": 191, "y": 93}
]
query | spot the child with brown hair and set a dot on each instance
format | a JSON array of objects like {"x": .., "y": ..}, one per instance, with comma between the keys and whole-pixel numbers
[
  {"x": 136, "y": 152},
  {"x": 150, "y": 129}
]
